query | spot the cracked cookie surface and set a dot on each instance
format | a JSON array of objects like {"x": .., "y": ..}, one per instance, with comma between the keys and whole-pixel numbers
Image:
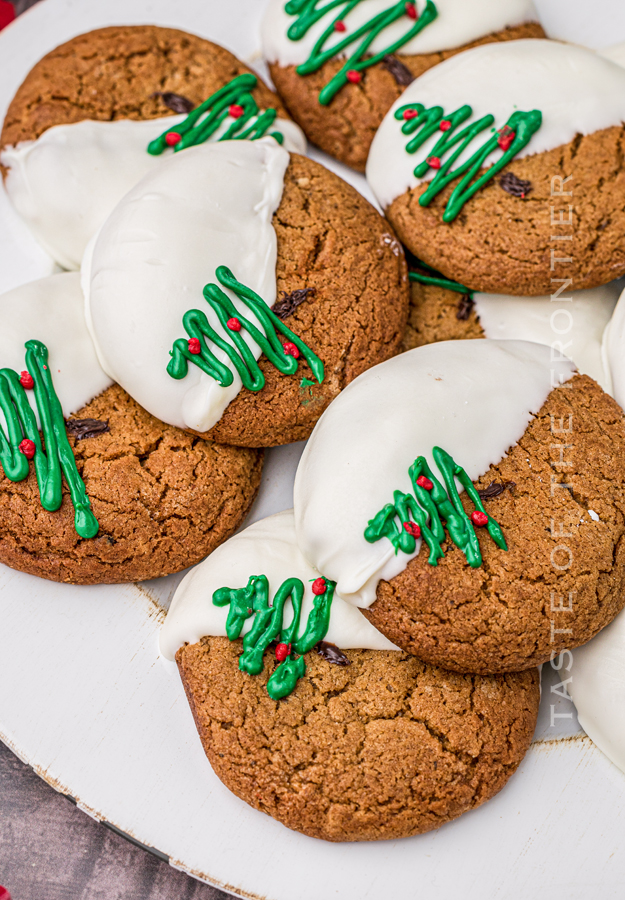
[
  {"x": 529, "y": 246},
  {"x": 164, "y": 500},
  {"x": 433, "y": 316},
  {"x": 383, "y": 748},
  {"x": 113, "y": 73},
  {"x": 346, "y": 127},
  {"x": 563, "y": 576},
  {"x": 332, "y": 240}
]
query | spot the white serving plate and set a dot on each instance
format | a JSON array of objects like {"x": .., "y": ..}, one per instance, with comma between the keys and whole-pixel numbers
[{"x": 87, "y": 702}]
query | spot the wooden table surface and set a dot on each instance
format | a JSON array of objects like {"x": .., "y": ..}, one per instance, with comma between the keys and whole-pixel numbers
[{"x": 50, "y": 850}]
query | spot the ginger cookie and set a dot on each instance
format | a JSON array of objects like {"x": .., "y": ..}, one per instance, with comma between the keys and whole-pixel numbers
[
  {"x": 99, "y": 112},
  {"x": 92, "y": 488},
  {"x": 334, "y": 740},
  {"x": 507, "y": 466},
  {"x": 245, "y": 250},
  {"x": 340, "y": 67},
  {"x": 492, "y": 163},
  {"x": 571, "y": 322}
]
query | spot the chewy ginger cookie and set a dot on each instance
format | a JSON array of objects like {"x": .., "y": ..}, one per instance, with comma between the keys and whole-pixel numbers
[
  {"x": 443, "y": 310},
  {"x": 541, "y": 168},
  {"x": 383, "y": 748},
  {"x": 308, "y": 246},
  {"x": 532, "y": 565},
  {"x": 146, "y": 499},
  {"x": 101, "y": 111},
  {"x": 312, "y": 722},
  {"x": 340, "y": 101}
]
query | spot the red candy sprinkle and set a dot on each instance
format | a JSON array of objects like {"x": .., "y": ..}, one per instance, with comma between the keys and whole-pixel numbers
[
  {"x": 282, "y": 651},
  {"x": 424, "y": 482},
  {"x": 7, "y": 14},
  {"x": 291, "y": 350},
  {"x": 340, "y": 26},
  {"x": 479, "y": 518},
  {"x": 410, "y": 114},
  {"x": 411, "y": 10},
  {"x": 236, "y": 111},
  {"x": 195, "y": 346},
  {"x": 433, "y": 162},
  {"x": 27, "y": 381},
  {"x": 27, "y": 448},
  {"x": 319, "y": 586},
  {"x": 506, "y": 136},
  {"x": 172, "y": 138},
  {"x": 233, "y": 324},
  {"x": 4, "y": 894},
  {"x": 445, "y": 125},
  {"x": 412, "y": 528},
  {"x": 353, "y": 76}
]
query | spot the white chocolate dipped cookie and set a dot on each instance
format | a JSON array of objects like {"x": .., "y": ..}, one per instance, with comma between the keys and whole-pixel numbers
[
  {"x": 339, "y": 67},
  {"x": 70, "y": 155},
  {"x": 92, "y": 488},
  {"x": 312, "y": 714},
  {"x": 384, "y": 471},
  {"x": 488, "y": 177},
  {"x": 205, "y": 245}
]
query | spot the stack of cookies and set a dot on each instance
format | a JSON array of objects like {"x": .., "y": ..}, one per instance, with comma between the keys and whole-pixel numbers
[{"x": 364, "y": 666}]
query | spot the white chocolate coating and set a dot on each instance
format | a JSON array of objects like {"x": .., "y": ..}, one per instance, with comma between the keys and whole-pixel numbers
[
  {"x": 577, "y": 91},
  {"x": 266, "y": 548},
  {"x": 458, "y": 22},
  {"x": 66, "y": 183},
  {"x": 205, "y": 207},
  {"x": 614, "y": 351},
  {"x": 472, "y": 398},
  {"x": 571, "y": 327},
  {"x": 596, "y": 682},
  {"x": 51, "y": 310}
]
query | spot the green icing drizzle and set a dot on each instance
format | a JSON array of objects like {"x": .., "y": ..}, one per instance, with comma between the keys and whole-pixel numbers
[
  {"x": 309, "y": 12},
  {"x": 431, "y": 276},
  {"x": 21, "y": 424},
  {"x": 268, "y": 626},
  {"x": 250, "y": 125},
  {"x": 434, "y": 506},
  {"x": 197, "y": 326},
  {"x": 520, "y": 127}
]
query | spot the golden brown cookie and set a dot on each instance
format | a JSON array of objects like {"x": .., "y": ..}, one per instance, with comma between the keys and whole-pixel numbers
[
  {"x": 163, "y": 499},
  {"x": 335, "y": 246},
  {"x": 559, "y": 496},
  {"x": 383, "y": 748},
  {"x": 346, "y": 127},
  {"x": 122, "y": 72},
  {"x": 438, "y": 314}
]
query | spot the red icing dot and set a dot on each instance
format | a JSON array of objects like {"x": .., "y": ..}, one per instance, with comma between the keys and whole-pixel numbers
[
  {"x": 4, "y": 894},
  {"x": 412, "y": 528},
  {"x": 410, "y": 114},
  {"x": 340, "y": 26},
  {"x": 319, "y": 586},
  {"x": 28, "y": 382},
  {"x": 506, "y": 136},
  {"x": 479, "y": 518},
  {"x": 353, "y": 76},
  {"x": 424, "y": 482},
  {"x": 234, "y": 324},
  {"x": 291, "y": 350},
  {"x": 445, "y": 125},
  {"x": 172, "y": 138},
  {"x": 433, "y": 162},
  {"x": 236, "y": 111},
  {"x": 195, "y": 346},
  {"x": 411, "y": 10},
  {"x": 27, "y": 448},
  {"x": 7, "y": 14},
  {"x": 282, "y": 651}
]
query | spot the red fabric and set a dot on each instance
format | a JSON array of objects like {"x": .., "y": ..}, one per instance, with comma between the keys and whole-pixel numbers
[{"x": 7, "y": 14}]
